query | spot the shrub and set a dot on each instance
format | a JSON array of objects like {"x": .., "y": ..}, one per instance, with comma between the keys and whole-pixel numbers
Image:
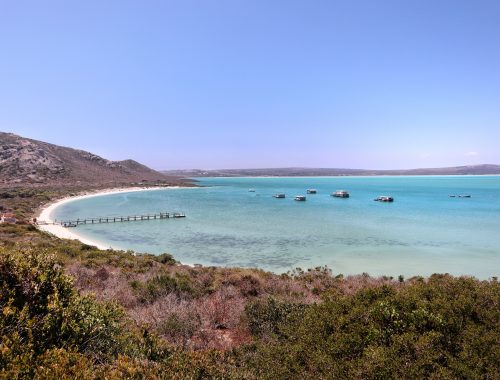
[
  {"x": 165, "y": 258},
  {"x": 180, "y": 327},
  {"x": 265, "y": 317},
  {"x": 59, "y": 363},
  {"x": 161, "y": 285},
  {"x": 443, "y": 328},
  {"x": 40, "y": 311}
]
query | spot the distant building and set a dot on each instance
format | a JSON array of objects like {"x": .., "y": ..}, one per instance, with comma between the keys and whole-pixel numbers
[{"x": 8, "y": 218}]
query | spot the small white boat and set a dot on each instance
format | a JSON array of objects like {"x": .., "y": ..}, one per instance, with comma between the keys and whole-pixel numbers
[
  {"x": 279, "y": 195},
  {"x": 251, "y": 190},
  {"x": 384, "y": 198},
  {"x": 300, "y": 198},
  {"x": 340, "y": 194},
  {"x": 311, "y": 191}
]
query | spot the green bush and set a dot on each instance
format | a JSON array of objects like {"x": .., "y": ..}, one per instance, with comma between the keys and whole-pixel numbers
[
  {"x": 40, "y": 311},
  {"x": 179, "y": 328},
  {"x": 163, "y": 284},
  {"x": 443, "y": 328},
  {"x": 264, "y": 317},
  {"x": 165, "y": 258}
]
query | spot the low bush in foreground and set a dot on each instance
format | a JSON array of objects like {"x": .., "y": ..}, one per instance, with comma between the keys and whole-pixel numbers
[
  {"x": 50, "y": 331},
  {"x": 42, "y": 312},
  {"x": 303, "y": 325},
  {"x": 443, "y": 328}
]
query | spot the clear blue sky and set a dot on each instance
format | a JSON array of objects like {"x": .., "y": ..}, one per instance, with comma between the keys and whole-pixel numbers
[{"x": 233, "y": 84}]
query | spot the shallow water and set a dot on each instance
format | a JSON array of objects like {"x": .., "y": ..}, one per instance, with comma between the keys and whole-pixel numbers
[{"x": 423, "y": 232}]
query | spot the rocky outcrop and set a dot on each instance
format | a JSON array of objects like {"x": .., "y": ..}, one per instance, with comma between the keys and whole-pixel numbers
[{"x": 25, "y": 160}]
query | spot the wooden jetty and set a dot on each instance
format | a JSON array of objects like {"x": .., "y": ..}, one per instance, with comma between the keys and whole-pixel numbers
[{"x": 120, "y": 219}]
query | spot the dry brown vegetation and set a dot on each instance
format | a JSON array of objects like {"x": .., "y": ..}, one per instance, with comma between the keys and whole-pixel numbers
[{"x": 192, "y": 307}]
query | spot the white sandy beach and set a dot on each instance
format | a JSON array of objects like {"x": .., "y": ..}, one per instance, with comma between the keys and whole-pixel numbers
[{"x": 45, "y": 215}]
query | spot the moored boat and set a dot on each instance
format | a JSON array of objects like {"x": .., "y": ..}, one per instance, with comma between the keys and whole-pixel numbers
[
  {"x": 279, "y": 195},
  {"x": 384, "y": 198},
  {"x": 340, "y": 194},
  {"x": 311, "y": 191},
  {"x": 300, "y": 198}
]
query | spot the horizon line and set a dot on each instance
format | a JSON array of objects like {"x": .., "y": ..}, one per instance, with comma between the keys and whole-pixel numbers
[{"x": 333, "y": 168}]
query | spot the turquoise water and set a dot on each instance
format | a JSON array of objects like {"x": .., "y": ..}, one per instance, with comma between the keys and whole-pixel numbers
[{"x": 423, "y": 232}]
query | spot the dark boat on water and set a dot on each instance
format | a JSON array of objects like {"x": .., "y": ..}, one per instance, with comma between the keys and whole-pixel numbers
[
  {"x": 340, "y": 194},
  {"x": 384, "y": 198}
]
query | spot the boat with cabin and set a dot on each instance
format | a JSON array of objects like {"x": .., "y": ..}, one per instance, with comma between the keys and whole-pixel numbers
[
  {"x": 384, "y": 198},
  {"x": 279, "y": 195},
  {"x": 311, "y": 191},
  {"x": 300, "y": 198},
  {"x": 340, "y": 194}
]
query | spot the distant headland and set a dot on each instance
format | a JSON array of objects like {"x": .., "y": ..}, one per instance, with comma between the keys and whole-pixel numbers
[{"x": 484, "y": 169}]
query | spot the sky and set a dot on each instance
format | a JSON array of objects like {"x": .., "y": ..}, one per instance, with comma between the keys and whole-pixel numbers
[{"x": 210, "y": 84}]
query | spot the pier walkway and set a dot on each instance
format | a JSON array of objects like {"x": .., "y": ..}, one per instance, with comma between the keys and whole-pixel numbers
[{"x": 120, "y": 219}]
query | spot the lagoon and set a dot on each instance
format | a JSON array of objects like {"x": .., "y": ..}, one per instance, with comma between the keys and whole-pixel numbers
[{"x": 424, "y": 231}]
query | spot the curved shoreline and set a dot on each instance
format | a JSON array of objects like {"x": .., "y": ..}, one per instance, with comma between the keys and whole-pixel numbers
[{"x": 61, "y": 232}]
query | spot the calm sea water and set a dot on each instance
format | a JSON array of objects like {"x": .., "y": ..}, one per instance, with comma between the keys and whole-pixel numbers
[{"x": 423, "y": 232}]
